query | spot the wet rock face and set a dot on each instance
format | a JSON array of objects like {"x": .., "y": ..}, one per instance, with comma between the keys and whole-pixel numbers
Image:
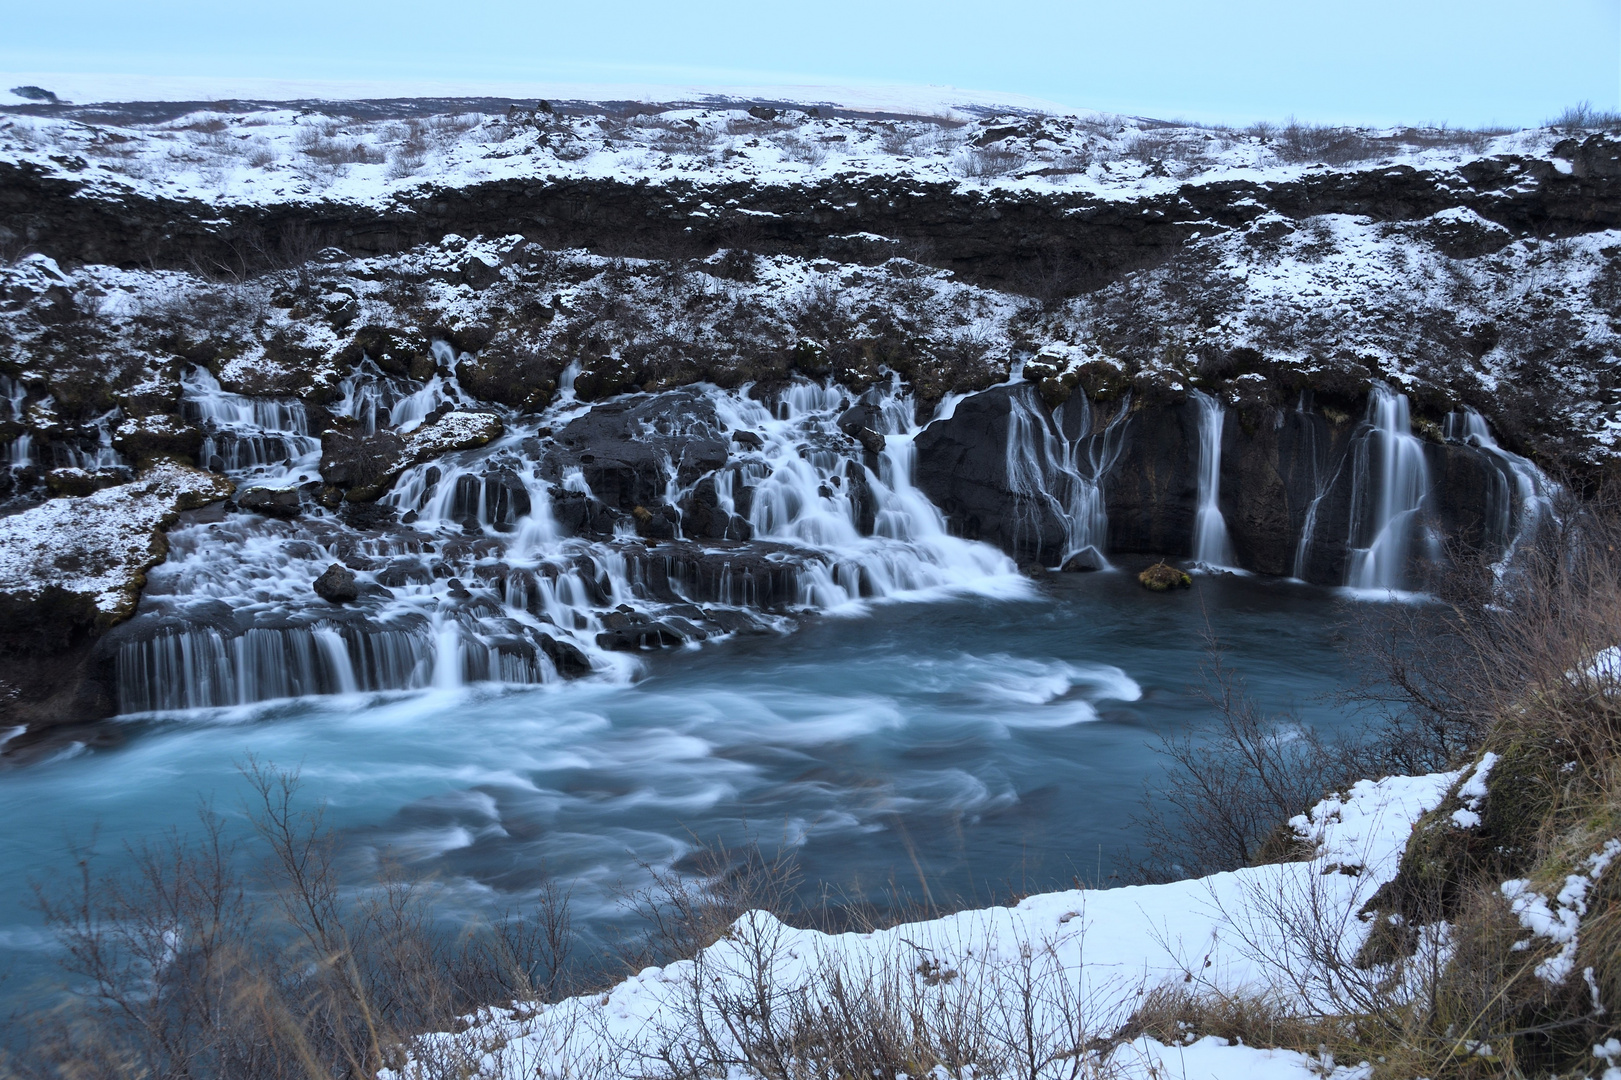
[
  {"x": 627, "y": 449},
  {"x": 1287, "y": 485},
  {"x": 1274, "y": 465},
  {"x": 962, "y": 467},
  {"x": 1152, "y": 493}
]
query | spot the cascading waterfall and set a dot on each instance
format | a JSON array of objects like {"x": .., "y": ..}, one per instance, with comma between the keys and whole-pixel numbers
[
  {"x": 1049, "y": 469},
  {"x": 805, "y": 489},
  {"x": 1211, "y": 545},
  {"x": 1521, "y": 498},
  {"x": 1388, "y": 484},
  {"x": 482, "y": 585},
  {"x": 252, "y": 438},
  {"x": 13, "y": 400}
]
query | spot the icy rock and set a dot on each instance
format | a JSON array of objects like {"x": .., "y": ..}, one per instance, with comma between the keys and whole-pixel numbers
[
  {"x": 1081, "y": 562},
  {"x": 152, "y": 436},
  {"x": 337, "y": 585},
  {"x": 480, "y": 271}
]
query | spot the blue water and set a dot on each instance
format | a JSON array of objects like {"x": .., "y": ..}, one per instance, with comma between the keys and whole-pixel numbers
[{"x": 971, "y": 744}]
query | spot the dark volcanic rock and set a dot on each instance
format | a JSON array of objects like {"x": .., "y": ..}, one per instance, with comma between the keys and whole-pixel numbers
[
  {"x": 963, "y": 465},
  {"x": 337, "y": 585},
  {"x": 570, "y": 662},
  {"x": 1272, "y": 471},
  {"x": 992, "y": 237},
  {"x": 626, "y": 449},
  {"x": 1152, "y": 491},
  {"x": 272, "y": 502},
  {"x": 353, "y": 459},
  {"x": 703, "y": 518}
]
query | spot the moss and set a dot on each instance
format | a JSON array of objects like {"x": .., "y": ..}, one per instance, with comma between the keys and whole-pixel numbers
[{"x": 1160, "y": 577}]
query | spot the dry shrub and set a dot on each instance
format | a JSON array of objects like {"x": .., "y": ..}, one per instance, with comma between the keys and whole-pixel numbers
[
  {"x": 1329, "y": 145},
  {"x": 322, "y": 145},
  {"x": 758, "y": 1007},
  {"x": 1583, "y": 116},
  {"x": 1174, "y": 1012},
  {"x": 804, "y": 149},
  {"x": 1514, "y": 665},
  {"x": 983, "y": 161},
  {"x": 1229, "y": 792},
  {"x": 189, "y": 963}
]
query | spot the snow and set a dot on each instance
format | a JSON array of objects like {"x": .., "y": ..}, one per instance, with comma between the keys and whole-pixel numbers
[
  {"x": 251, "y": 151},
  {"x": 452, "y": 431},
  {"x": 1472, "y": 792},
  {"x": 1221, "y": 932},
  {"x": 1559, "y": 921},
  {"x": 88, "y": 87},
  {"x": 101, "y": 545},
  {"x": 1606, "y": 666}
]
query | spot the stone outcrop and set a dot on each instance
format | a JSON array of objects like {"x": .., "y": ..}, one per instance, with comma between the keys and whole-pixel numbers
[{"x": 72, "y": 568}]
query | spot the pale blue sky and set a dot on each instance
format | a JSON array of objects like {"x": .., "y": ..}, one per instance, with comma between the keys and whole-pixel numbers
[{"x": 1372, "y": 61}]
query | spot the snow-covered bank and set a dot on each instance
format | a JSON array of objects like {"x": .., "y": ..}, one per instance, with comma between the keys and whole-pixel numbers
[
  {"x": 100, "y": 546},
  {"x": 1044, "y": 983}
]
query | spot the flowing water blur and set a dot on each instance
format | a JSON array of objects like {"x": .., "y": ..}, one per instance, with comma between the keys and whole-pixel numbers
[{"x": 973, "y": 742}]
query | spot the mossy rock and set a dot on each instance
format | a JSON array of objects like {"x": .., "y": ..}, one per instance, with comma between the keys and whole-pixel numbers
[
  {"x": 1161, "y": 577},
  {"x": 1442, "y": 858}
]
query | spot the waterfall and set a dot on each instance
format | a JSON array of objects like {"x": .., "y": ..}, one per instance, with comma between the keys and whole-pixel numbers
[
  {"x": 1521, "y": 497},
  {"x": 809, "y": 489},
  {"x": 203, "y": 668},
  {"x": 13, "y": 399},
  {"x": 477, "y": 582},
  {"x": 1388, "y": 484},
  {"x": 262, "y": 440},
  {"x": 1048, "y": 470},
  {"x": 1321, "y": 480},
  {"x": 20, "y": 451},
  {"x": 1211, "y": 546}
]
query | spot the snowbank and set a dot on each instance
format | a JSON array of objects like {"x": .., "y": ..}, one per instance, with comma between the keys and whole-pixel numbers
[{"x": 1102, "y": 950}]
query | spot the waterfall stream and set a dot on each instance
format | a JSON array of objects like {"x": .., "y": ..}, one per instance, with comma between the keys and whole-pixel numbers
[
  {"x": 503, "y": 564},
  {"x": 1211, "y": 546},
  {"x": 1388, "y": 484},
  {"x": 1520, "y": 499},
  {"x": 1056, "y": 463}
]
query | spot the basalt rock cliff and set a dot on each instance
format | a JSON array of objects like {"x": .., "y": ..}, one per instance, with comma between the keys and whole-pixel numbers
[{"x": 551, "y": 389}]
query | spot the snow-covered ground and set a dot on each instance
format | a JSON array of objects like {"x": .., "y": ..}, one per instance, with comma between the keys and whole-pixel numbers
[
  {"x": 274, "y": 150},
  {"x": 89, "y": 87},
  {"x": 1043, "y": 979}
]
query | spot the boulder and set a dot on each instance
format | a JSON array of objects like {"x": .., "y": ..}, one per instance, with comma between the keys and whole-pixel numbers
[
  {"x": 626, "y": 449},
  {"x": 146, "y": 437},
  {"x": 1082, "y": 562},
  {"x": 271, "y": 502},
  {"x": 337, "y": 585},
  {"x": 70, "y": 569},
  {"x": 1160, "y": 577},
  {"x": 570, "y": 662}
]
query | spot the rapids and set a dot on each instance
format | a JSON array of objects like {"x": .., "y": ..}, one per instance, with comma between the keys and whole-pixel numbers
[{"x": 968, "y": 745}]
